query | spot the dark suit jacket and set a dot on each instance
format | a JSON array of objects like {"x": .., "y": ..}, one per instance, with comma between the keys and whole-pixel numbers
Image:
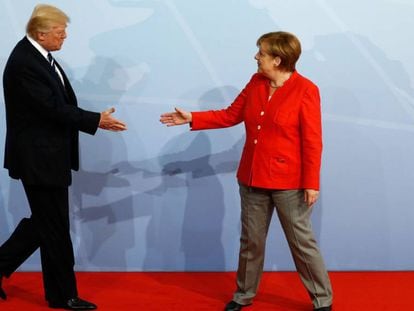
[{"x": 43, "y": 120}]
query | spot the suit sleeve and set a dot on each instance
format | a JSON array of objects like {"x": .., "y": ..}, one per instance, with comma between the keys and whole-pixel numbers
[{"x": 49, "y": 105}]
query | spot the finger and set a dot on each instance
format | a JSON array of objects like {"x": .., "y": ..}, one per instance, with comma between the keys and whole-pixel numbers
[
  {"x": 166, "y": 118},
  {"x": 121, "y": 125},
  {"x": 313, "y": 200},
  {"x": 166, "y": 115},
  {"x": 116, "y": 125},
  {"x": 113, "y": 121},
  {"x": 167, "y": 122},
  {"x": 117, "y": 128}
]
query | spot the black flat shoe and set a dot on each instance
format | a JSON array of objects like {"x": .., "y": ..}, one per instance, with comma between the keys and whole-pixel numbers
[
  {"x": 329, "y": 308},
  {"x": 74, "y": 304},
  {"x": 234, "y": 306}
]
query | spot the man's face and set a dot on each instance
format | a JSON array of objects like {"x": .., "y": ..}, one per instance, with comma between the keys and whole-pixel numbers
[{"x": 53, "y": 39}]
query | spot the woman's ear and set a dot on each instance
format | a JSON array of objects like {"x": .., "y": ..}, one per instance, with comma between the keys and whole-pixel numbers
[{"x": 276, "y": 61}]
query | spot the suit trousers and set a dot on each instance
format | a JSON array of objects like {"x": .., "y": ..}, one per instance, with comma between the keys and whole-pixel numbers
[
  {"x": 257, "y": 207},
  {"x": 47, "y": 228}
]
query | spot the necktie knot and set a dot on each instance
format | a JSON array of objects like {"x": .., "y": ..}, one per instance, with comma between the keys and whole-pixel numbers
[{"x": 50, "y": 59}]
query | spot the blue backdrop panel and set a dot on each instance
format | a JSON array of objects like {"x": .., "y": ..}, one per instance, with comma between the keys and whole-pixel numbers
[{"x": 157, "y": 198}]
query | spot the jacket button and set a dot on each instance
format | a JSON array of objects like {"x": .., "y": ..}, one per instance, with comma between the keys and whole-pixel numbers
[
  {"x": 262, "y": 113},
  {"x": 259, "y": 127},
  {"x": 255, "y": 141}
]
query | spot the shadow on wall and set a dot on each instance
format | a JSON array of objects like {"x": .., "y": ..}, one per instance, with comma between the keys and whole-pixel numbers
[
  {"x": 368, "y": 112},
  {"x": 109, "y": 221},
  {"x": 186, "y": 225},
  {"x": 4, "y": 223},
  {"x": 196, "y": 170}
]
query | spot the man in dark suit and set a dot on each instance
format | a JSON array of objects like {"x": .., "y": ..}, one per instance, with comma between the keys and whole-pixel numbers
[{"x": 43, "y": 122}]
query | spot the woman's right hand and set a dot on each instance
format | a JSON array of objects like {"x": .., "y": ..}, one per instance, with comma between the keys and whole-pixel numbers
[{"x": 178, "y": 117}]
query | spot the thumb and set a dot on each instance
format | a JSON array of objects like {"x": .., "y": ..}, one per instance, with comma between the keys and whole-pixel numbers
[
  {"x": 110, "y": 110},
  {"x": 180, "y": 111}
]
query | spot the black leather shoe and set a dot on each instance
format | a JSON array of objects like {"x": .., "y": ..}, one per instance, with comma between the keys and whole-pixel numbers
[
  {"x": 329, "y": 308},
  {"x": 2, "y": 292},
  {"x": 234, "y": 306},
  {"x": 74, "y": 304}
]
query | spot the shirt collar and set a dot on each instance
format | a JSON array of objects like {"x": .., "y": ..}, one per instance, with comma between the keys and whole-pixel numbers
[{"x": 38, "y": 47}]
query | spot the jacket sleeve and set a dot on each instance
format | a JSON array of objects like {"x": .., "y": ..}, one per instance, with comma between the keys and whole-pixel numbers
[
  {"x": 42, "y": 99},
  {"x": 230, "y": 116},
  {"x": 311, "y": 138}
]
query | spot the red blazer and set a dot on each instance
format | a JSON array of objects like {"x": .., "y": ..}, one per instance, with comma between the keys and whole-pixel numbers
[{"x": 283, "y": 136}]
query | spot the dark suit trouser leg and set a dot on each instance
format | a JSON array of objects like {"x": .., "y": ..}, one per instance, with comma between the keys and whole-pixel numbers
[
  {"x": 23, "y": 242},
  {"x": 50, "y": 217}
]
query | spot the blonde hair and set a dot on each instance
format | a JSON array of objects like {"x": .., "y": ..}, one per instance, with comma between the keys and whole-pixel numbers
[
  {"x": 44, "y": 18},
  {"x": 284, "y": 45}
]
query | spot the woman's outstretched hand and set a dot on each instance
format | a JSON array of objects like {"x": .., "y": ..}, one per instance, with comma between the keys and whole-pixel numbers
[{"x": 178, "y": 117}]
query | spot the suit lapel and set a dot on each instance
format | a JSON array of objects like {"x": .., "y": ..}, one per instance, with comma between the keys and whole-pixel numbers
[
  {"x": 67, "y": 88},
  {"x": 46, "y": 65}
]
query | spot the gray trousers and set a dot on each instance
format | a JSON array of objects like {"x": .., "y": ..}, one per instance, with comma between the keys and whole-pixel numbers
[{"x": 294, "y": 215}]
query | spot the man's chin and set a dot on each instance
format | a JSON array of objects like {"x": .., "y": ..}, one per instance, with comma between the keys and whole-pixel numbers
[{"x": 57, "y": 48}]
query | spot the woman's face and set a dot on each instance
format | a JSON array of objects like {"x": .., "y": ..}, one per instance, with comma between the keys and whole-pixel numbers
[{"x": 266, "y": 63}]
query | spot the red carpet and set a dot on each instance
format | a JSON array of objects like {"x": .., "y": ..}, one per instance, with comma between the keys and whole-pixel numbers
[{"x": 354, "y": 291}]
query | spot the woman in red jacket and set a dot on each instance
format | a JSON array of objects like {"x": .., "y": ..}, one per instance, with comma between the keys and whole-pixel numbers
[{"x": 280, "y": 165}]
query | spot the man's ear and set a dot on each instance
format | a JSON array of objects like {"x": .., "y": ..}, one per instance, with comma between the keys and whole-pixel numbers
[{"x": 40, "y": 36}]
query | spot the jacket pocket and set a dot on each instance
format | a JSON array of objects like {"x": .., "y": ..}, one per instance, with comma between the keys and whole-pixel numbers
[{"x": 279, "y": 165}]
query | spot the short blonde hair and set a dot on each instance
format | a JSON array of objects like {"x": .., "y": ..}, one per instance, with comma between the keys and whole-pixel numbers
[
  {"x": 284, "y": 45},
  {"x": 44, "y": 17}
]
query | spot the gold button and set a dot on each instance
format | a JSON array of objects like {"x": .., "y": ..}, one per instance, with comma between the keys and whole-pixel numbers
[
  {"x": 262, "y": 113},
  {"x": 255, "y": 141},
  {"x": 259, "y": 127}
]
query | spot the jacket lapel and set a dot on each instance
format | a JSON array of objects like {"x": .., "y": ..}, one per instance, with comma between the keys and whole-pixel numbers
[
  {"x": 46, "y": 65},
  {"x": 67, "y": 88}
]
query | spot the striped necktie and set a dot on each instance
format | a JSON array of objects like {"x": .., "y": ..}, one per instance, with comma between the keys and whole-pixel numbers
[
  {"x": 51, "y": 60},
  {"x": 52, "y": 63}
]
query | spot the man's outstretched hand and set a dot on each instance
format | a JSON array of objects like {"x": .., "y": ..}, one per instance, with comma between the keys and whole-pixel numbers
[{"x": 108, "y": 122}]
